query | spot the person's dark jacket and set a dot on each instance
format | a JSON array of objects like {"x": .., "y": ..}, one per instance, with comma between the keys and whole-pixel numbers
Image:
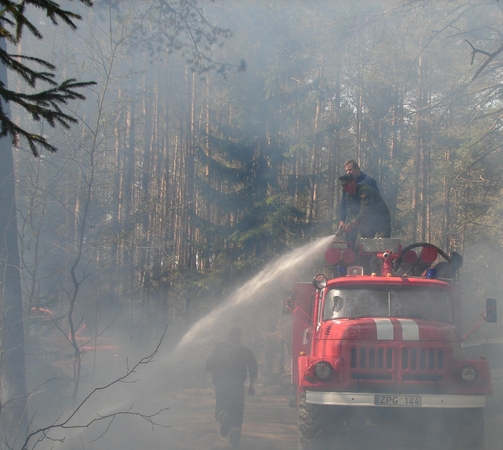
[
  {"x": 362, "y": 179},
  {"x": 368, "y": 208},
  {"x": 230, "y": 361}
]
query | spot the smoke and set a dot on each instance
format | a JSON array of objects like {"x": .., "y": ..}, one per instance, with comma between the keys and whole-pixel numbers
[
  {"x": 258, "y": 293},
  {"x": 167, "y": 401},
  {"x": 147, "y": 405}
]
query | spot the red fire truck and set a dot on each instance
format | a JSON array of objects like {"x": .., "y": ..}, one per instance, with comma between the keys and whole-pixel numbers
[{"x": 378, "y": 347}]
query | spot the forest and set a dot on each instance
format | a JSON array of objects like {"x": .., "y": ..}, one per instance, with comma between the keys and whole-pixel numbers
[{"x": 212, "y": 141}]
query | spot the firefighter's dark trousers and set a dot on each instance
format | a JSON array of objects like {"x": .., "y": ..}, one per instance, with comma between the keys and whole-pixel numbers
[{"x": 230, "y": 396}]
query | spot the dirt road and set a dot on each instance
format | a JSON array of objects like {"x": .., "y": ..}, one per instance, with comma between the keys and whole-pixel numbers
[{"x": 270, "y": 424}]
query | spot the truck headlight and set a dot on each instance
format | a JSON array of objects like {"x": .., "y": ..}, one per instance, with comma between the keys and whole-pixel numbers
[
  {"x": 323, "y": 370},
  {"x": 468, "y": 373}
]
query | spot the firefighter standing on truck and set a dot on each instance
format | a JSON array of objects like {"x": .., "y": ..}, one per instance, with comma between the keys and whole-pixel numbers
[
  {"x": 230, "y": 363},
  {"x": 351, "y": 167},
  {"x": 367, "y": 213}
]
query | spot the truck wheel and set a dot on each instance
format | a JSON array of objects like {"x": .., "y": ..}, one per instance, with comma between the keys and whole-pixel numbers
[
  {"x": 313, "y": 425},
  {"x": 469, "y": 429}
]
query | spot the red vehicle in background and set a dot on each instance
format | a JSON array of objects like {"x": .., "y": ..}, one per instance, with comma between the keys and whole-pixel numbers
[{"x": 383, "y": 348}]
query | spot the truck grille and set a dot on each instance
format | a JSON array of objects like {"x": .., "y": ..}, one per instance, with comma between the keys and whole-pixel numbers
[{"x": 396, "y": 363}]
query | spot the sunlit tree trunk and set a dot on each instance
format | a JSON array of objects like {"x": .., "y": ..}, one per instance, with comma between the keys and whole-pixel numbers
[
  {"x": 359, "y": 116},
  {"x": 314, "y": 164},
  {"x": 426, "y": 234},
  {"x": 127, "y": 202},
  {"x": 146, "y": 198},
  {"x": 117, "y": 245},
  {"x": 447, "y": 204},
  {"x": 169, "y": 172},
  {"x": 425, "y": 130},
  {"x": 206, "y": 207},
  {"x": 190, "y": 170},
  {"x": 177, "y": 200},
  {"x": 334, "y": 162},
  {"x": 415, "y": 205},
  {"x": 118, "y": 205}
]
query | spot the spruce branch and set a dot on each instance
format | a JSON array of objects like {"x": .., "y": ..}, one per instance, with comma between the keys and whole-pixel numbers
[
  {"x": 44, "y": 105},
  {"x": 14, "y": 14}
]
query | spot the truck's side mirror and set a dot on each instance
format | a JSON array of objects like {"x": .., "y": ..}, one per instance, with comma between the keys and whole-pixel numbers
[
  {"x": 288, "y": 306},
  {"x": 491, "y": 311}
]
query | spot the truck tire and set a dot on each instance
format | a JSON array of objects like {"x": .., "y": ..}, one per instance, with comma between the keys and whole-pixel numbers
[{"x": 313, "y": 425}]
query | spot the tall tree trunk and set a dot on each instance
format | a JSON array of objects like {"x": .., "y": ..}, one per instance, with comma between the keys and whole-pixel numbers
[
  {"x": 334, "y": 163},
  {"x": 359, "y": 115},
  {"x": 447, "y": 205},
  {"x": 190, "y": 171},
  {"x": 425, "y": 210},
  {"x": 447, "y": 192},
  {"x": 313, "y": 198},
  {"x": 206, "y": 207},
  {"x": 414, "y": 230},
  {"x": 146, "y": 199},
  {"x": 394, "y": 152},
  {"x": 13, "y": 391}
]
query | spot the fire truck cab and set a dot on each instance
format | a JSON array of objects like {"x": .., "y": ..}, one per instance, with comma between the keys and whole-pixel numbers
[{"x": 382, "y": 348}]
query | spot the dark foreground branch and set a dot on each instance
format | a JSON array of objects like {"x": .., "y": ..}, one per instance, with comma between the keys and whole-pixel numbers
[{"x": 490, "y": 57}]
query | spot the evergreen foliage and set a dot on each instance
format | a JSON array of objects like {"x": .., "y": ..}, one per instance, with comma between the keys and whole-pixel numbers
[
  {"x": 255, "y": 216},
  {"x": 45, "y": 104}
]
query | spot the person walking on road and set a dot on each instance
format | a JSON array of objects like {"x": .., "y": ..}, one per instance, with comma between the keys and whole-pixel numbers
[{"x": 230, "y": 363}]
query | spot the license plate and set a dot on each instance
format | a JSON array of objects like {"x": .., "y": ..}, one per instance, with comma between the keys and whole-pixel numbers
[{"x": 397, "y": 400}]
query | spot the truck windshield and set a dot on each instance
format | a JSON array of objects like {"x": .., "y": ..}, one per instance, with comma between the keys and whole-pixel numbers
[{"x": 416, "y": 302}]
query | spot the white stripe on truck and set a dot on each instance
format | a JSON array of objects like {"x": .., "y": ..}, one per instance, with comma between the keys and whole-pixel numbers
[
  {"x": 410, "y": 330},
  {"x": 384, "y": 329}
]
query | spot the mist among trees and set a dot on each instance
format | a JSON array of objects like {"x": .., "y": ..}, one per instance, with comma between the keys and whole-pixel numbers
[{"x": 212, "y": 141}]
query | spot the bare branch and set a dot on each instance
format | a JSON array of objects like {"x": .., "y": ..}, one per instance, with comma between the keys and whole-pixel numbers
[
  {"x": 42, "y": 433},
  {"x": 490, "y": 57}
]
